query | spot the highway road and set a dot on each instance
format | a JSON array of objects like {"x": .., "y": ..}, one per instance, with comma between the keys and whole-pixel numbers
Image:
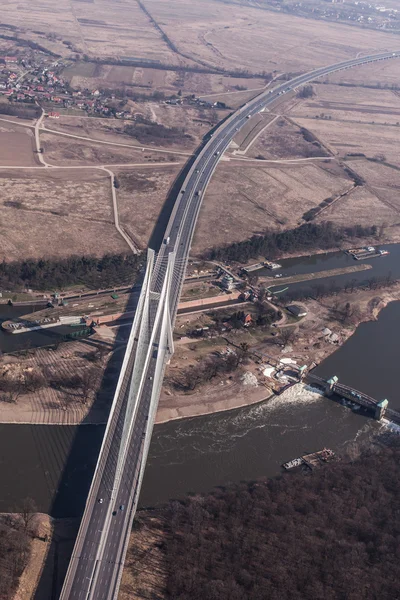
[{"x": 97, "y": 561}]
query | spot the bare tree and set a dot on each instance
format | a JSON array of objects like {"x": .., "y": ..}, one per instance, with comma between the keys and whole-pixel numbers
[
  {"x": 27, "y": 512},
  {"x": 10, "y": 391},
  {"x": 287, "y": 335},
  {"x": 89, "y": 381}
]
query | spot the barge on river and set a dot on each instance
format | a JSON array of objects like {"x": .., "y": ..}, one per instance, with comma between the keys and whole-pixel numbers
[
  {"x": 313, "y": 460},
  {"x": 366, "y": 252}
]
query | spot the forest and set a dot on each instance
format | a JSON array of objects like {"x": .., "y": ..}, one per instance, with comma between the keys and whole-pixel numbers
[
  {"x": 307, "y": 237},
  {"x": 56, "y": 273},
  {"x": 330, "y": 534}
]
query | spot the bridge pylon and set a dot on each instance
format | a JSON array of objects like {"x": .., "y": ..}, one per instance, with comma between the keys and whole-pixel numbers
[
  {"x": 380, "y": 409},
  {"x": 330, "y": 384}
]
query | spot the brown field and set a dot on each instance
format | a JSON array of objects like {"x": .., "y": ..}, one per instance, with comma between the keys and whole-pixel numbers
[
  {"x": 93, "y": 28},
  {"x": 64, "y": 151},
  {"x": 342, "y": 138},
  {"x": 243, "y": 201},
  {"x": 17, "y": 146},
  {"x": 376, "y": 174},
  {"x": 364, "y": 207},
  {"x": 207, "y": 33},
  {"x": 140, "y": 199},
  {"x": 52, "y": 213},
  {"x": 354, "y": 104},
  {"x": 146, "y": 80},
  {"x": 229, "y": 35},
  {"x": 284, "y": 140},
  {"x": 193, "y": 121},
  {"x": 382, "y": 73},
  {"x": 253, "y": 128}
]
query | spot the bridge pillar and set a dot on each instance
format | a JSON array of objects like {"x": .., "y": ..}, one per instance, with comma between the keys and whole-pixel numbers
[
  {"x": 330, "y": 384},
  {"x": 380, "y": 409}
]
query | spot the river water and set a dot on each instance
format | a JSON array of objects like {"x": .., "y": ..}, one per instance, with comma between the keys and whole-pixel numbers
[
  {"x": 10, "y": 342},
  {"x": 54, "y": 464},
  {"x": 382, "y": 266}
]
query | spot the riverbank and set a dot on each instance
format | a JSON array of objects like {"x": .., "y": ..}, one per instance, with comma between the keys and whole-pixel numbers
[
  {"x": 314, "y": 276},
  {"x": 311, "y": 346},
  {"x": 47, "y": 406}
]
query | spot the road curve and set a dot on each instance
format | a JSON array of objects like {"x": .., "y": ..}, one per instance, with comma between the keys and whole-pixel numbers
[{"x": 97, "y": 561}]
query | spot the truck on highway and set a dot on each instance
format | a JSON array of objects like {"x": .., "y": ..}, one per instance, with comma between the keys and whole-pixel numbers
[{"x": 166, "y": 240}]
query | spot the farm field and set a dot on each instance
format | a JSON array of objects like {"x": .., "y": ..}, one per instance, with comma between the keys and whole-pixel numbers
[
  {"x": 246, "y": 200},
  {"x": 362, "y": 206},
  {"x": 179, "y": 32},
  {"x": 342, "y": 138},
  {"x": 283, "y": 139},
  {"x": 383, "y": 73},
  {"x": 91, "y": 27},
  {"x": 354, "y": 104},
  {"x": 17, "y": 145},
  {"x": 64, "y": 151},
  {"x": 56, "y": 214},
  {"x": 145, "y": 80},
  {"x": 194, "y": 122},
  {"x": 141, "y": 196},
  {"x": 229, "y": 35}
]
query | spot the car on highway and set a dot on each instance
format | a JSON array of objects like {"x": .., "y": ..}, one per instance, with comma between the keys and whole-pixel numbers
[
  {"x": 101, "y": 500},
  {"x": 122, "y": 507}
]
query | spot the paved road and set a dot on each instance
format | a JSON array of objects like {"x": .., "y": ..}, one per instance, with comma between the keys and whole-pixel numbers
[{"x": 97, "y": 561}]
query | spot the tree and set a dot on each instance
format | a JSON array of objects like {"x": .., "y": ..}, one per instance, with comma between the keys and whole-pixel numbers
[
  {"x": 10, "y": 390},
  {"x": 27, "y": 513},
  {"x": 89, "y": 381},
  {"x": 307, "y": 91},
  {"x": 287, "y": 335}
]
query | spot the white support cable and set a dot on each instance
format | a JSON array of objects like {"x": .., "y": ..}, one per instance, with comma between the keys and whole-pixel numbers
[{"x": 83, "y": 526}]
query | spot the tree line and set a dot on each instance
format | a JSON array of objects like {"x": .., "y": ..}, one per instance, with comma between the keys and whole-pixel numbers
[
  {"x": 310, "y": 236},
  {"x": 329, "y": 535},
  {"x": 16, "y": 533},
  {"x": 56, "y": 273},
  {"x": 147, "y": 131},
  {"x": 20, "y": 111},
  {"x": 332, "y": 288}
]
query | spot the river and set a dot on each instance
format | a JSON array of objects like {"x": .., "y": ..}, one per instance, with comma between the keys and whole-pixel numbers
[
  {"x": 54, "y": 464},
  {"x": 382, "y": 266},
  {"x": 12, "y": 342}
]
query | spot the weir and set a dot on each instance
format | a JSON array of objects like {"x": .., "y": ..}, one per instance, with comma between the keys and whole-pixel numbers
[{"x": 378, "y": 408}]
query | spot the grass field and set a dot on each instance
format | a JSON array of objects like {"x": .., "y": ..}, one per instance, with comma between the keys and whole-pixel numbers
[
  {"x": 284, "y": 140},
  {"x": 140, "y": 199},
  {"x": 364, "y": 207},
  {"x": 227, "y": 35},
  {"x": 355, "y": 104},
  {"x": 92, "y": 27},
  {"x": 56, "y": 214},
  {"x": 342, "y": 138},
  {"x": 17, "y": 146},
  {"x": 245, "y": 200},
  {"x": 64, "y": 151},
  {"x": 192, "y": 121},
  {"x": 203, "y": 33}
]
